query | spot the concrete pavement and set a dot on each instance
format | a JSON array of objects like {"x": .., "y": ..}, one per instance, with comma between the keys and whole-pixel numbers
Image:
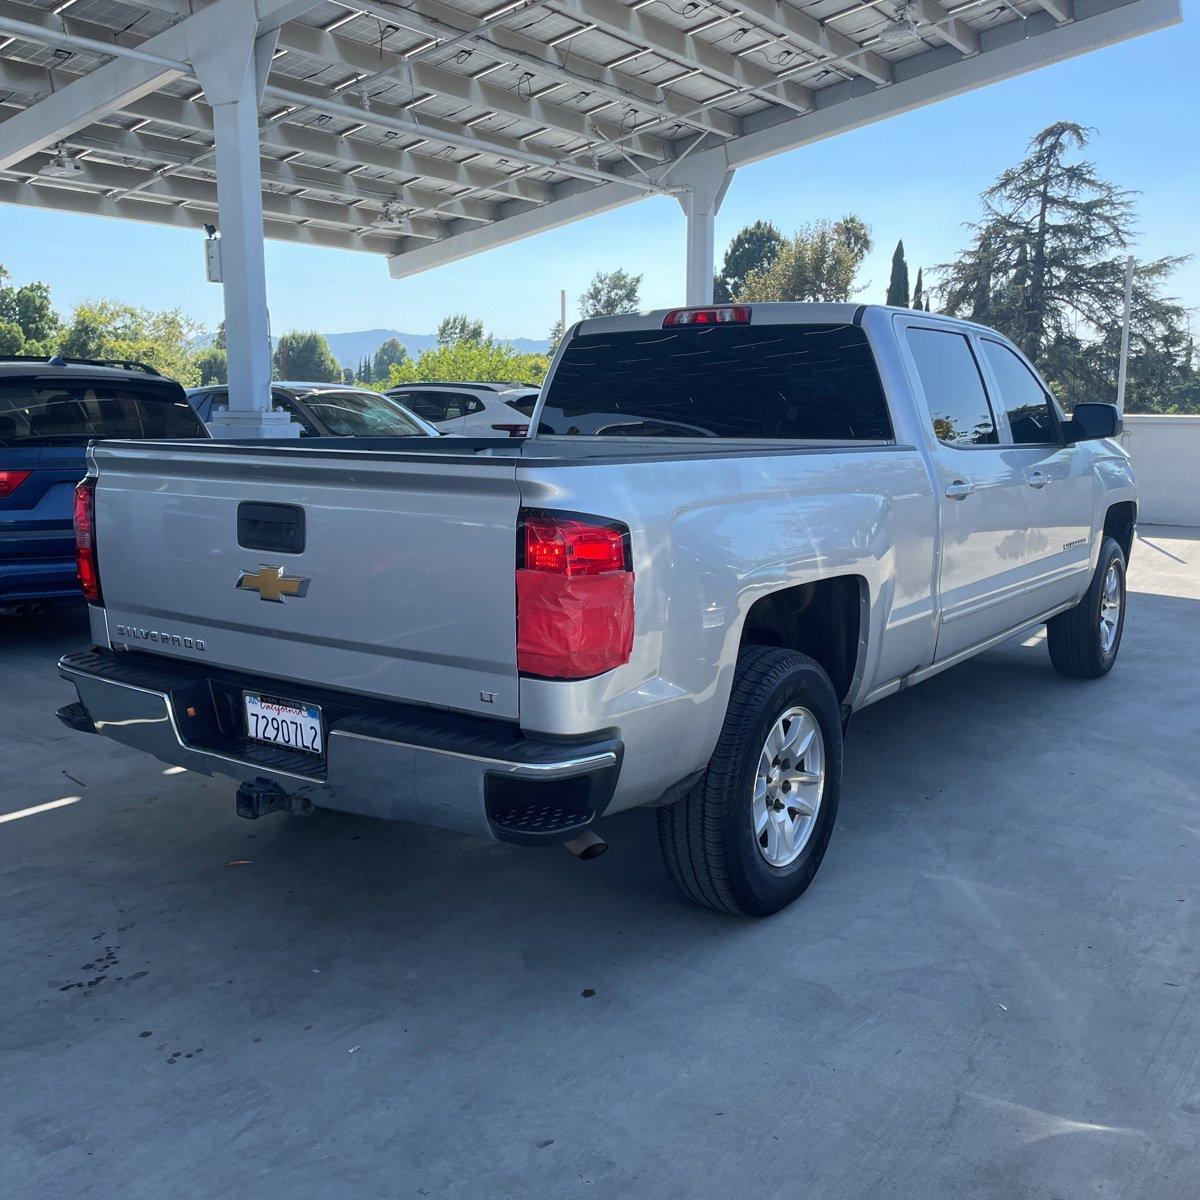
[{"x": 990, "y": 991}]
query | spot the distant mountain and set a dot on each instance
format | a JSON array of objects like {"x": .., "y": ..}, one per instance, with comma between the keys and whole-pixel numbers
[{"x": 351, "y": 348}]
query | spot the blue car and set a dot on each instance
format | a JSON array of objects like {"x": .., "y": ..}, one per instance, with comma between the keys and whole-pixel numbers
[{"x": 49, "y": 410}]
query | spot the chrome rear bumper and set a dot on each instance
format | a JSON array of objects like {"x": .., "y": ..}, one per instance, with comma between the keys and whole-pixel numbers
[{"x": 391, "y": 761}]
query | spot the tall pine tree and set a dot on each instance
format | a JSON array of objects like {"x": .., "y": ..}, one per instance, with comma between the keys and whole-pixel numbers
[{"x": 1046, "y": 266}]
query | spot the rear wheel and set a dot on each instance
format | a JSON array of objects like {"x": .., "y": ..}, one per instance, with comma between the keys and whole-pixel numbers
[
  {"x": 1084, "y": 640},
  {"x": 749, "y": 837}
]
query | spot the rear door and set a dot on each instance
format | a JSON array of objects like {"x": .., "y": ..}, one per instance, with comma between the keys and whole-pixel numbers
[
  {"x": 982, "y": 491},
  {"x": 1059, "y": 485},
  {"x": 399, "y": 582}
]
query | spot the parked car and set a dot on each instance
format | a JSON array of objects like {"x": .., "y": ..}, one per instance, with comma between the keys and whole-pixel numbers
[
  {"x": 49, "y": 410},
  {"x": 327, "y": 410},
  {"x": 517, "y": 641},
  {"x": 471, "y": 409}
]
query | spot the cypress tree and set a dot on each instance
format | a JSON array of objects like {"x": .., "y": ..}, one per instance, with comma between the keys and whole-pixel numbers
[{"x": 897, "y": 292}]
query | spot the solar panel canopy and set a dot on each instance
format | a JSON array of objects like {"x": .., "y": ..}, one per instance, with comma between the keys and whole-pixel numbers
[{"x": 430, "y": 130}]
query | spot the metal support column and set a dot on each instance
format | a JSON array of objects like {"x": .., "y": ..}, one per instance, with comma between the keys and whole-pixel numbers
[
  {"x": 700, "y": 198},
  {"x": 232, "y": 69}
]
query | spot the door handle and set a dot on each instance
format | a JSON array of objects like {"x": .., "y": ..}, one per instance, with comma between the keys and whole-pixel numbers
[
  {"x": 959, "y": 489},
  {"x": 1037, "y": 479}
]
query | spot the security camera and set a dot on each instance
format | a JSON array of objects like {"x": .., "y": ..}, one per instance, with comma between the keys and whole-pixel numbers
[{"x": 211, "y": 230}]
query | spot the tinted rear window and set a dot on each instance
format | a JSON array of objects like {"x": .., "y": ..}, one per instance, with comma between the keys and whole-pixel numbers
[
  {"x": 774, "y": 382},
  {"x": 438, "y": 406},
  {"x": 46, "y": 411}
]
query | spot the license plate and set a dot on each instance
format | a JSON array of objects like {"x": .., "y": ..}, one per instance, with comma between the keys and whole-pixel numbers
[{"x": 283, "y": 723}]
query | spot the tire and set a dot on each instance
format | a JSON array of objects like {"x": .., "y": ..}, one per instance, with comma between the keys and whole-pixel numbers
[
  {"x": 1084, "y": 640},
  {"x": 709, "y": 840}
]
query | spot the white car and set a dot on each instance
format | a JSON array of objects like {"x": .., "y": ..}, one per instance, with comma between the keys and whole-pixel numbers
[{"x": 471, "y": 409}]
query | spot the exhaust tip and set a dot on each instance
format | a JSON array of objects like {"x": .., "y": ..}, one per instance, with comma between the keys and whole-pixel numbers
[{"x": 587, "y": 846}]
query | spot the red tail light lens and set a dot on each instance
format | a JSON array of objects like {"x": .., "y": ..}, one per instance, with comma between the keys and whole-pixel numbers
[
  {"x": 574, "y": 596},
  {"x": 728, "y": 314},
  {"x": 570, "y": 546},
  {"x": 11, "y": 480},
  {"x": 86, "y": 564}
]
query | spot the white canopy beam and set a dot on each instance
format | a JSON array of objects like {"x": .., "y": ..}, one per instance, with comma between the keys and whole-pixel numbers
[
  {"x": 155, "y": 211},
  {"x": 951, "y": 30}
]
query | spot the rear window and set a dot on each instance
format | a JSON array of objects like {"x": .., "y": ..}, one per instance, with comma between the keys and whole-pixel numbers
[
  {"x": 361, "y": 414},
  {"x": 768, "y": 382},
  {"x": 438, "y": 406},
  {"x": 45, "y": 412},
  {"x": 524, "y": 404}
]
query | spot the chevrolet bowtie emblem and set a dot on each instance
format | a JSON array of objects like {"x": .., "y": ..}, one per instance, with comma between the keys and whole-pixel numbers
[{"x": 272, "y": 584}]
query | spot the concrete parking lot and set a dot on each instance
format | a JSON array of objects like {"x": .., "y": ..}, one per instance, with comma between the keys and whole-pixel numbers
[{"x": 989, "y": 991}]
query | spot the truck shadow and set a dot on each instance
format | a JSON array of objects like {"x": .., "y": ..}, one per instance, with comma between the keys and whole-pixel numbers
[{"x": 978, "y": 741}]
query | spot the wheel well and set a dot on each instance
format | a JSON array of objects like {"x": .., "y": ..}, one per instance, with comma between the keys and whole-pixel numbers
[
  {"x": 1119, "y": 523},
  {"x": 820, "y": 619}
]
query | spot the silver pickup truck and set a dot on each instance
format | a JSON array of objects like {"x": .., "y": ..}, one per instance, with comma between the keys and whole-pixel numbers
[{"x": 730, "y": 529}]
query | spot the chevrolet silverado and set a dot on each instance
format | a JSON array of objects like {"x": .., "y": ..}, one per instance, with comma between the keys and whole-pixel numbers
[{"x": 796, "y": 510}]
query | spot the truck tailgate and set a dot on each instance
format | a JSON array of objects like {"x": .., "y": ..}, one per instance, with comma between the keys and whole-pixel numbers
[{"x": 404, "y": 587}]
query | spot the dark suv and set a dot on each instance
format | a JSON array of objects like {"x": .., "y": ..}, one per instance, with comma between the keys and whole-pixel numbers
[{"x": 49, "y": 410}]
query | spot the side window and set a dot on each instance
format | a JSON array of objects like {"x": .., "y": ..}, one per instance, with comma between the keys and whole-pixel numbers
[
  {"x": 958, "y": 405},
  {"x": 472, "y": 406},
  {"x": 429, "y": 406},
  {"x": 282, "y": 402},
  {"x": 1029, "y": 413}
]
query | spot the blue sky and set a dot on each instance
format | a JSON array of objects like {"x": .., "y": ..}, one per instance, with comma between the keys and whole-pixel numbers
[{"x": 917, "y": 176}]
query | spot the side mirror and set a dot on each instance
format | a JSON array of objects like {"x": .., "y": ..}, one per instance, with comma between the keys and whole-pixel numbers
[{"x": 1091, "y": 421}]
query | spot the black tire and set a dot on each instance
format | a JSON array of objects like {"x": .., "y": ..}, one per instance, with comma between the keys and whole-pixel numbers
[
  {"x": 707, "y": 838},
  {"x": 1075, "y": 639}
]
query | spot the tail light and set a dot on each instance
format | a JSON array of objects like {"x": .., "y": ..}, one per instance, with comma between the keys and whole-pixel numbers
[
  {"x": 512, "y": 430},
  {"x": 727, "y": 314},
  {"x": 86, "y": 565},
  {"x": 574, "y": 595},
  {"x": 11, "y": 480}
]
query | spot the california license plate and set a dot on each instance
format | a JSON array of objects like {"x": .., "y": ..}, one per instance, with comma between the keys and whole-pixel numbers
[{"x": 283, "y": 723}]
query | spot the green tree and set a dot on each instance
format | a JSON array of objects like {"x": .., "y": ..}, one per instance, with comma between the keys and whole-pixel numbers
[
  {"x": 211, "y": 366},
  {"x": 1046, "y": 266},
  {"x": 609, "y": 293},
  {"x": 12, "y": 338},
  {"x": 918, "y": 297},
  {"x": 820, "y": 263},
  {"x": 30, "y": 307},
  {"x": 348, "y": 375},
  {"x": 108, "y": 329},
  {"x": 391, "y": 352},
  {"x": 487, "y": 361},
  {"x": 897, "y": 292},
  {"x": 306, "y": 355},
  {"x": 556, "y": 335},
  {"x": 753, "y": 248},
  {"x": 458, "y": 327}
]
